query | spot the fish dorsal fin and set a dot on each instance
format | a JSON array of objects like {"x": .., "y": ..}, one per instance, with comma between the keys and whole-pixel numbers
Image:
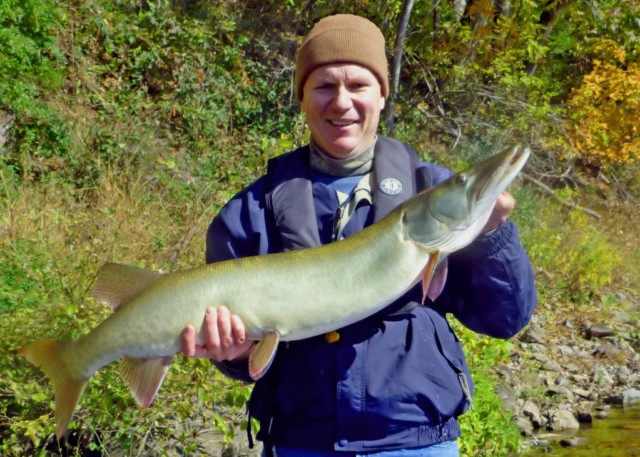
[
  {"x": 263, "y": 354},
  {"x": 427, "y": 273},
  {"x": 144, "y": 377},
  {"x": 116, "y": 283}
]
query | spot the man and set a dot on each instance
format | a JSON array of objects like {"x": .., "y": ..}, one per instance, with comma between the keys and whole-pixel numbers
[{"x": 394, "y": 383}]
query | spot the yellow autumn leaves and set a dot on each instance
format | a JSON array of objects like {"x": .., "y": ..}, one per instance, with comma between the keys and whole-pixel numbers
[{"x": 604, "y": 127}]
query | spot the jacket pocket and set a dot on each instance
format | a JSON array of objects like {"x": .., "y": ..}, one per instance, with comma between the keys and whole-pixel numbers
[{"x": 451, "y": 349}]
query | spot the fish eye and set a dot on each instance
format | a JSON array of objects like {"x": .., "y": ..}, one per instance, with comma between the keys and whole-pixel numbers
[{"x": 461, "y": 180}]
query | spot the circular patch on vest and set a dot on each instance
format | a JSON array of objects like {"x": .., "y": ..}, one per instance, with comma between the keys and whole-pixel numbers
[{"x": 391, "y": 186}]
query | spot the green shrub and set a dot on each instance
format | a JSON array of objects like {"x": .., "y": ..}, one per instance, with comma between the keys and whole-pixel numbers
[
  {"x": 487, "y": 429},
  {"x": 31, "y": 67},
  {"x": 567, "y": 248}
]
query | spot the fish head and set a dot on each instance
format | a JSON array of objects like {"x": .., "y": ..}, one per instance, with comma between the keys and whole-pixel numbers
[{"x": 450, "y": 215}]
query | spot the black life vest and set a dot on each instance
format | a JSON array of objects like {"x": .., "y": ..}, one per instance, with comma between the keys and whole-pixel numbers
[{"x": 289, "y": 199}]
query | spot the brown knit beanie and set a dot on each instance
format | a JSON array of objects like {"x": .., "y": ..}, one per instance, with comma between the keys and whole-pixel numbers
[{"x": 343, "y": 38}]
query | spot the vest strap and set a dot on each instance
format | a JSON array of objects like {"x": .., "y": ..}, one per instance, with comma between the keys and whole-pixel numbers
[
  {"x": 289, "y": 201},
  {"x": 289, "y": 197}
]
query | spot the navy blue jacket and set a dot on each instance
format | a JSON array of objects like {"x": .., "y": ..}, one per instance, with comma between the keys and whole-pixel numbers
[{"x": 397, "y": 379}]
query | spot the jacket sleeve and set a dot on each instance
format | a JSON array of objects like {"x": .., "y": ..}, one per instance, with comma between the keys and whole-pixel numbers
[
  {"x": 490, "y": 284},
  {"x": 238, "y": 230}
]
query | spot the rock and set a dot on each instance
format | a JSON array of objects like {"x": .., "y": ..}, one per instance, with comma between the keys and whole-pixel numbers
[
  {"x": 606, "y": 350},
  {"x": 565, "y": 350},
  {"x": 549, "y": 437},
  {"x": 561, "y": 392},
  {"x": 548, "y": 378},
  {"x": 539, "y": 354},
  {"x": 623, "y": 317},
  {"x": 532, "y": 380},
  {"x": 552, "y": 365},
  {"x": 630, "y": 396},
  {"x": 572, "y": 442},
  {"x": 560, "y": 419},
  {"x": 622, "y": 375},
  {"x": 582, "y": 393},
  {"x": 601, "y": 376},
  {"x": 613, "y": 399},
  {"x": 621, "y": 297},
  {"x": 524, "y": 425},
  {"x": 531, "y": 410},
  {"x": 541, "y": 357},
  {"x": 506, "y": 372},
  {"x": 532, "y": 334},
  {"x": 507, "y": 395},
  {"x": 585, "y": 417},
  {"x": 583, "y": 354},
  {"x": 598, "y": 331},
  {"x": 6, "y": 121},
  {"x": 580, "y": 378},
  {"x": 572, "y": 368}
]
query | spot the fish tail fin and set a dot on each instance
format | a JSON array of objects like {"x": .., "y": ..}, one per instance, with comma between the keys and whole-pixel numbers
[{"x": 47, "y": 355}]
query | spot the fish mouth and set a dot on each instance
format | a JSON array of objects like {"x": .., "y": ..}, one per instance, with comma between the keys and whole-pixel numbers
[{"x": 495, "y": 174}]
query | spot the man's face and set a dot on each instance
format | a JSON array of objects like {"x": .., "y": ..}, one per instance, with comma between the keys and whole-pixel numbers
[{"x": 342, "y": 104}]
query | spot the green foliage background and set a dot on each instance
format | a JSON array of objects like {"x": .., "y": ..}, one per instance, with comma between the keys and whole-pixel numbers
[{"x": 130, "y": 122}]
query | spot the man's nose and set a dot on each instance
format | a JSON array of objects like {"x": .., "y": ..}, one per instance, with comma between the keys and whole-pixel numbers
[{"x": 342, "y": 98}]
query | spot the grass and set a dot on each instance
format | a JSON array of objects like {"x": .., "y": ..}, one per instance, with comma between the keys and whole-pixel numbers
[{"x": 53, "y": 240}]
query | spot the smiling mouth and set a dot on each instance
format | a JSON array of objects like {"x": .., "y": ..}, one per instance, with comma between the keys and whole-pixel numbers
[{"x": 339, "y": 123}]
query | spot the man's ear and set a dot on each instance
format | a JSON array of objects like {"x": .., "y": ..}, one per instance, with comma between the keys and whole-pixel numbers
[{"x": 382, "y": 103}]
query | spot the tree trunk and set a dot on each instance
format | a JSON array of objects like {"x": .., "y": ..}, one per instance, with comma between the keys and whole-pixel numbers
[
  {"x": 548, "y": 20},
  {"x": 396, "y": 64},
  {"x": 459, "y": 6}
]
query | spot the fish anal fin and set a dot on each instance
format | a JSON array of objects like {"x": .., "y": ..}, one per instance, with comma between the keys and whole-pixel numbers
[
  {"x": 116, "y": 283},
  {"x": 47, "y": 355},
  {"x": 427, "y": 273},
  {"x": 263, "y": 354},
  {"x": 144, "y": 377}
]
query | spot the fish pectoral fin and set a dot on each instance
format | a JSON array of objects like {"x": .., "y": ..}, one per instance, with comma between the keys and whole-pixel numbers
[
  {"x": 438, "y": 280},
  {"x": 427, "y": 273},
  {"x": 116, "y": 283},
  {"x": 263, "y": 354},
  {"x": 144, "y": 377}
]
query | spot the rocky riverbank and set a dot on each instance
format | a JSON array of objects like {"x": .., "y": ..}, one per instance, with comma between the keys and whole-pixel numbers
[{"x": 570, "y": 366}]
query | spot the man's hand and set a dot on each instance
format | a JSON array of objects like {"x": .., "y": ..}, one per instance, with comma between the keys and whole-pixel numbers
[
  {"x": 501, "y": 211},
  {"x": 224, "y": 337}
]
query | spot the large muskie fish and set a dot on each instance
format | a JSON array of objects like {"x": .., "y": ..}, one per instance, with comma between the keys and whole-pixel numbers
[{"x": 279, "y": 297}]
